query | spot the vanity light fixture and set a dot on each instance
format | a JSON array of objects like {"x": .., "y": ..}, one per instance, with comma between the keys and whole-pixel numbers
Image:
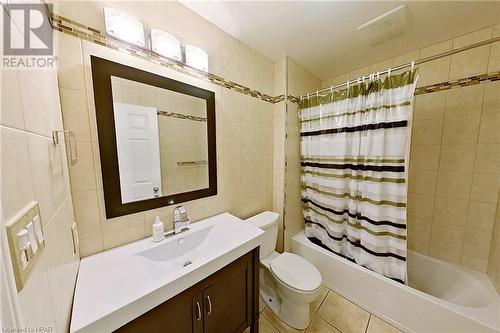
[
  {"x": 165, "y": 44},
  {"x": 196, "y": 57},
  {"x": 124, "y": 26}
]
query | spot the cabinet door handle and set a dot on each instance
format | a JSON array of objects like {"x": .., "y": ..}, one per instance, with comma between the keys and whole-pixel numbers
[
  {"x": 198, "y": 311},
  {"x": 209, "y": 312}
]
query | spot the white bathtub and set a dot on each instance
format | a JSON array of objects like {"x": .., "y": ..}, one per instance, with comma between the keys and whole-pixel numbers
[{"x": 449, "y": 298}]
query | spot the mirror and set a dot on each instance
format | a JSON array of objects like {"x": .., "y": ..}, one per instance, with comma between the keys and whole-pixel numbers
[{"x": 156, "y": 139}]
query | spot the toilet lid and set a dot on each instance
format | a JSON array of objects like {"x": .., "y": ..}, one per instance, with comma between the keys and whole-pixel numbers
[{"x": 296, "y": 272}]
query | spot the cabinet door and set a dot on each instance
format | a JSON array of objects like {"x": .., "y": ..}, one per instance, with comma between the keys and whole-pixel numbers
[
  {"x": 177, "y": 315},
  {"x": 226, "y": 301}
]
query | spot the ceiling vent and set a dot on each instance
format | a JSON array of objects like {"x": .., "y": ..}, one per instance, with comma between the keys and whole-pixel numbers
[{"x": 385, "y": 27}]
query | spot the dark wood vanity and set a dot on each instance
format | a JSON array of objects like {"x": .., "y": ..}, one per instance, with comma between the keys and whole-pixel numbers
[{"x": 225, "y": 302}]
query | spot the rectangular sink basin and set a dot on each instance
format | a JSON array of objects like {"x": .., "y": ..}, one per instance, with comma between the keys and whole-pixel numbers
[{"x": 178, "y": 248}]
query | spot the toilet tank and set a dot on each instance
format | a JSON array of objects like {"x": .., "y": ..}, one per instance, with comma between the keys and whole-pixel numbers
[{"x": 267, "y": 221}]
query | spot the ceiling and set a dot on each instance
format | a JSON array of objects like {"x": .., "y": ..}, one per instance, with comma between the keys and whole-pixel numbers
[{"x": 322, "y": 37}]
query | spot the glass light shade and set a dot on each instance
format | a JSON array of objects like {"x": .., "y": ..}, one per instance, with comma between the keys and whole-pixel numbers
[
  {"x": 165, "y": 44},
  {"x": 124, "y": 26},
  {"x": 196, "y": 57}
]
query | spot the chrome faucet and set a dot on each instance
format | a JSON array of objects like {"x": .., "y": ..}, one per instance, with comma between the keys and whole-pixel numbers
[{"x": 181, "y": 219}]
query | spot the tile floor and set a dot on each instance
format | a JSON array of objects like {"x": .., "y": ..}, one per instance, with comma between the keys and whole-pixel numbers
[{"x": 331, "y": 313}]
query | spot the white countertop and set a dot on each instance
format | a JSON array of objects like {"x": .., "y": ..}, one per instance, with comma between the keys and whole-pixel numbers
[{"x": 118, "y": 285}]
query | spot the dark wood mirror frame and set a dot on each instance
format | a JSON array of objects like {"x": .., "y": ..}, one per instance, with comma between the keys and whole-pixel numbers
[{"x": 102, "y": 71}]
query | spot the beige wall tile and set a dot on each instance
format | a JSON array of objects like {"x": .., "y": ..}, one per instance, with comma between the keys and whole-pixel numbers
[
  {"x": 123, "y": 236},
  {"x": 422, "y": 182},
  {"x": 75, "y": 113},
  {"x": 342, "y": 314},
  {"x": 82, "y": 174},
  {"x": 462, "y": 129},
  {"x": 69, "y": 62},
  {"x": 436, "y": 49},
  {"x": 457, "y": 157},
  {"x": 444, "y": 254},
  {"x": 420, "y": 247},
  {"x": 419, "y": 229},
  {"x": 377, "y": 325},
  {"x": 489, "y": 132},
  {"x": 491, "y": 102},
  {"x": 481, "y": 216},
  {"x": 427, "y": 131},
  {"x": 87, "y": 213},
  {"x": 452, "y": 211},
  {"x": 420, "y": 205},
  {"x": 488, "y": 158},
  {"x": 473, "y": 37},
  {"x": 40, "y": 100},
  {"x": 12, "y": 112},
  {"x": 424, "y": 157},
  {"x": 469, "y": 63},
  {"x": 465, "y": 100},
  {"x": 447, "y": 236},
  {"x": 454, "y": 184},
  {"x": 92, "y": 245},
  {"x": 435, "y": 71},
  {"x": 477, "y": 243},
  {"x": 430, "y": 106},
  {"x": 485, "y": 187},
  {"x": 17, "y": 182},
  {"x": 474, "y": 263},
  {"x": 494, "y": 64},
  {"x": 50, "y": 174}
]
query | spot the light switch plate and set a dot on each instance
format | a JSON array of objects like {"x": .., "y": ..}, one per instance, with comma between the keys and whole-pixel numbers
[{"x": 16, "y": 224}]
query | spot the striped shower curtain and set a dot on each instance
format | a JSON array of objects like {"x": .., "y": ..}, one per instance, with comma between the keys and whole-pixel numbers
[{"x": 354, "y": 153}]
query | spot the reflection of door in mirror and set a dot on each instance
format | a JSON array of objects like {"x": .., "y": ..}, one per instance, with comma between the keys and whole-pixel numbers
[
  {"x": 138, "y": 151},
  {"x": 169, "y": 131}
]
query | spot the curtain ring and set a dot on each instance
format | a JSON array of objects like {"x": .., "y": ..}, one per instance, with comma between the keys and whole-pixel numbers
[
  {"x": 331, "y": 89},
  {"x": 378, "y": 75},
  {"x": 389, "y": 71},
  {"x": 412, "y": 64},
  {"x": 317, "y": 93},
  {"x": 307, "y": 95}
]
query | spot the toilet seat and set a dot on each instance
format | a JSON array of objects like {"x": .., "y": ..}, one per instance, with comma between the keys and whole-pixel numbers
[{"x": 296, "y": 272}]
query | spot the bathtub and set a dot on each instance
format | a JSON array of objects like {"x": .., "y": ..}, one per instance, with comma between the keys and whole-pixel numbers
[{"x": 441, "y": 297}]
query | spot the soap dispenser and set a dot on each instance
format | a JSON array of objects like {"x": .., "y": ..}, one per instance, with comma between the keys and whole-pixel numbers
[{"x": 158, "y": 232}]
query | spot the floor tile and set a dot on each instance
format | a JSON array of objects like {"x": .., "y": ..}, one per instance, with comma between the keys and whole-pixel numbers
[
  {"x": 377, "y": 325},
  {"x": 343, "y": 315},
  {"x": 322, "y": 294},
  {"x": 265, "y": 326},
  {"x": 277, "y": 322},
  {"x": 318, "y": 325}
]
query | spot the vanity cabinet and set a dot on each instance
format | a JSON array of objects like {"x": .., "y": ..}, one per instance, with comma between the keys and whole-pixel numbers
[{"x": 226, "y": 301}]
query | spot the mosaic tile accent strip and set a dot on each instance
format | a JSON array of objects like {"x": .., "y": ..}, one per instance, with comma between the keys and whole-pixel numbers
[
  {"x": 78, "y": 30},
  {"x": 469, "y": 81},
  {"x": 181, "y": 116}
]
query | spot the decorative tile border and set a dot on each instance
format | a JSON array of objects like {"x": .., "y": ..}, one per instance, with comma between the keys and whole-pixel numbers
[
  {"x": 181, "y": 116},
  {"x": 92, "y": 35},
  {"x": 469, "y": 81},
  {"x": 78, "y": 30}
]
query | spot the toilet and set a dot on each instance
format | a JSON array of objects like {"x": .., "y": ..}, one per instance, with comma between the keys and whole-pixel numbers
[{"x": 288, "y": 282}]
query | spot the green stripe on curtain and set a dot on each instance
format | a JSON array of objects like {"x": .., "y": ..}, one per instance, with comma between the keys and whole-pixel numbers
[{"x": 361, "y": 89}]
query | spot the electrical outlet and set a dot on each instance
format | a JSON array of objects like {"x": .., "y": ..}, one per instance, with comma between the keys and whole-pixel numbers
[{"x": 26, "y": 242}]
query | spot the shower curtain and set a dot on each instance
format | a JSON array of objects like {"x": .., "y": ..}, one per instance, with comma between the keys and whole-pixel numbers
[{"x": 354, "y": 153}]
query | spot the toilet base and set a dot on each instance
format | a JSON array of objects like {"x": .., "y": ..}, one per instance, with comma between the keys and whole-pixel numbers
[{"x": 293, "y": 314}]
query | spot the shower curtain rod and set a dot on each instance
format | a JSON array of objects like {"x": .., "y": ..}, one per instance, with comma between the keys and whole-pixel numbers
[{"x": 410, "y": 64}]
